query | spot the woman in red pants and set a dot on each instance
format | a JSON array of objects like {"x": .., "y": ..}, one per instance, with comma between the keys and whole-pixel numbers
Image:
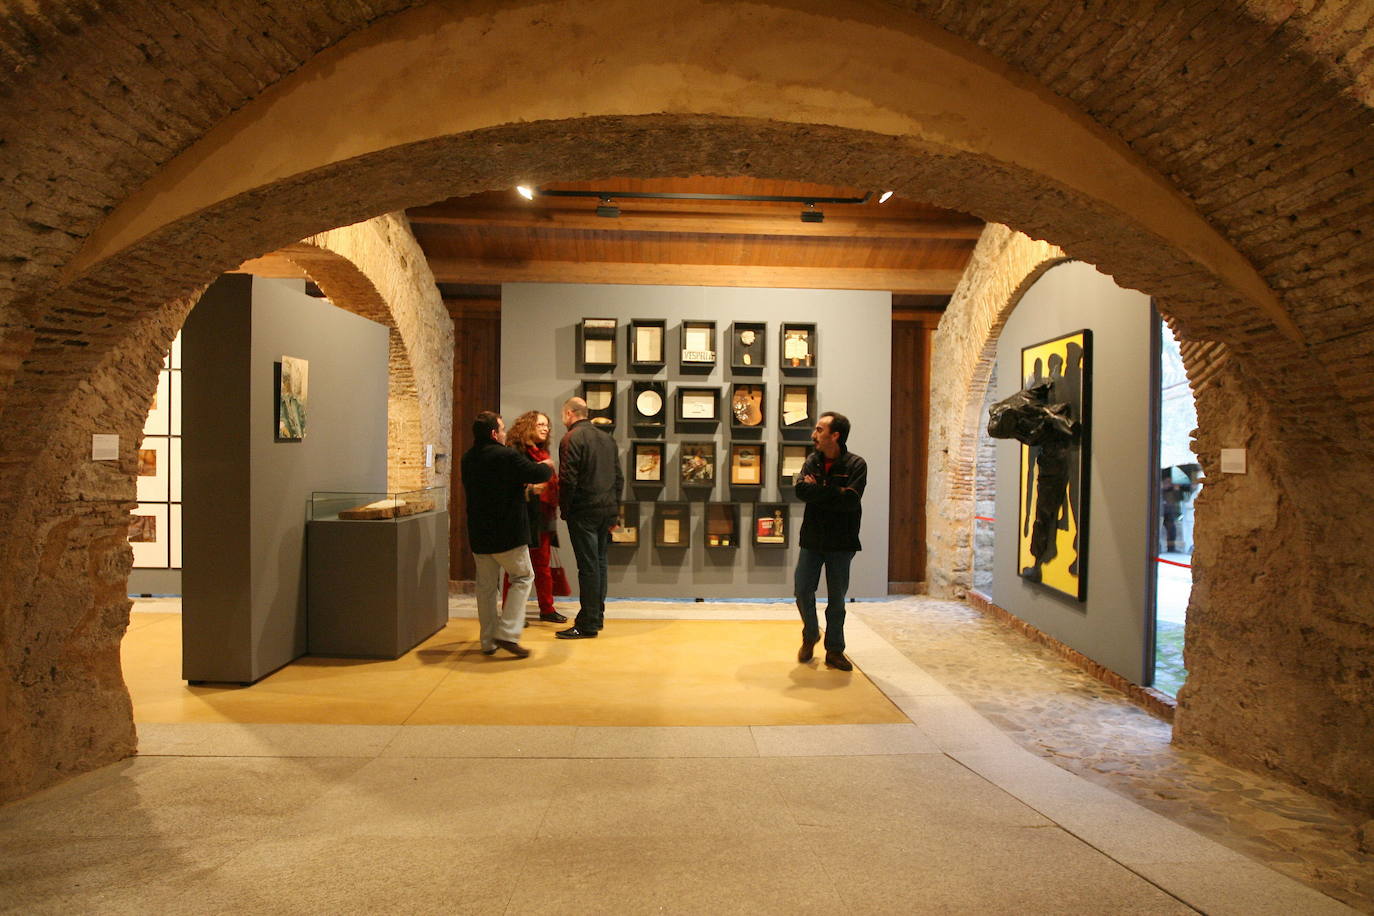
[{"x": 530, "y": 434}]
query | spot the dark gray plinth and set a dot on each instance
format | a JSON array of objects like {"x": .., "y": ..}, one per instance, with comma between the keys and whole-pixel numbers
[{"x": 376, "y": 589}]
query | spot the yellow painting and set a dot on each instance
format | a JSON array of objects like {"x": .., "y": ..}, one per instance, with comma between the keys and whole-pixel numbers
[{"x": 1052, "y": 528}]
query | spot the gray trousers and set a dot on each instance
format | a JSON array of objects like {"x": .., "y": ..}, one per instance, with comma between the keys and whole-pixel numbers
[{"x": 499, "y": 621}]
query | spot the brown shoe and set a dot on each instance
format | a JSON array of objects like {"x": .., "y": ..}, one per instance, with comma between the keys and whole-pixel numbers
[
  {"x": 838, "y": 661},
  {"x": 514, "y": 648},
  {"x": 807, "y": 650}
]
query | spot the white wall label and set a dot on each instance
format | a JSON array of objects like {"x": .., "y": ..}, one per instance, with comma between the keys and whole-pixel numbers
[
  {"x": 104, "y": 447},
  {"x": 1233, "y": 461},
  {"x": 429, "y": 456}
]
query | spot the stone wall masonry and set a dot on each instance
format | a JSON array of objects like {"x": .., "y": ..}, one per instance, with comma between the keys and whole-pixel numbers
[{"x": 1003, "y": 266}]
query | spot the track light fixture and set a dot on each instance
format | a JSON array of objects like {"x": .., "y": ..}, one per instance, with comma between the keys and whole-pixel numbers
[
  {"x": 525, "y": 191},
  {"x": 811, "y": 215},
  {"x": 607, "y": 208},
  {"x": 882, "y": 199}
]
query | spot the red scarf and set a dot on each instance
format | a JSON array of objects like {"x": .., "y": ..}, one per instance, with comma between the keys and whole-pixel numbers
[{"x": 550, "y": 495}]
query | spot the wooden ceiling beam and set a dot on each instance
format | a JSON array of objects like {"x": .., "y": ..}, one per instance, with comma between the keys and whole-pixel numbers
[
  {"x": 701, "y": 223},
  {"x": 916, "y": 282}
]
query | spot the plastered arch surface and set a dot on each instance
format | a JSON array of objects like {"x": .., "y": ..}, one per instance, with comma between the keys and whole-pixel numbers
[{"x": 1256, "y": 113}]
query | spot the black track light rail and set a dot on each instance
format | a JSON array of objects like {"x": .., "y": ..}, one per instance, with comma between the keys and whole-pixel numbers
[{"x": 666, "y": 195}]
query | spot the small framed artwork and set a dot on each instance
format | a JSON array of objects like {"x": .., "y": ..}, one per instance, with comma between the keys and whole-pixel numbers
[
  {"x": 748, "y": 345},
  {"x": 292, "y": 393},
  {"x": 648, "y": 404},
  {"x": 154, "y": 469},
  {"x": 722, "y": 525},
  {"x": 159, "y": 412},
  {"x": 698, "y": 345},
  {"x": 597, "y": 343},
  {"x": 697, "y": 461},
  {"x": 746, "y": 464},
  {"x": 747, "y": 406},
  {"x": 672, "y": 524},
  {"x": 148, "y": 536},
  {"x": 798, "y": 347},
  {"x": 646, "y": 343},
  {"x": 646, "y": 464},
  {"x": 797, "y": 410},
  {"x": 626, "y": 530},
  {"x": 770, "y": 524},
  {"x": 600, "y": 398},
  {"x": 698, "y": 405},
  {"x": 790, "y": 460}
]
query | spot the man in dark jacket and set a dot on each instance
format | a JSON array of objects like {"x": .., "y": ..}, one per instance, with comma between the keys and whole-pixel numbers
[
  {"x": 494, "y": 478},
  {"x": 589, "y": 483},
  {"x": 831, "y": 483}
]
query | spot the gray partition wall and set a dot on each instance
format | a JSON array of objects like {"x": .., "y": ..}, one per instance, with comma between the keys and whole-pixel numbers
[
  {"x": 539, "y": 370},
  {"x": 244, "y": 493},
  {"x": 1110, "y": 626}
]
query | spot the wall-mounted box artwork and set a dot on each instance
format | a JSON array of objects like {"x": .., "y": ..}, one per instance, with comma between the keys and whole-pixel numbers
[
  {"x": 770, "y": 525},
  {"x": 596, "y": 343},
  {"x": 797, "y": 410},
  {"x": 600, "y": 398},
  {"x": 748, "y": 405},
  {"x": 626, "y": 530},
  {"x": 646, "y": 464},
  {"x": 746, "y": 464},
  {"x": 798, "y": 348},
  {"x": 646, "y": 344},
  {"x": 722, "y": 525},
  {"x": 791, "y": 457},
  {"x": 697, "y": 461},
  {"x": 698, "y": 406},
  {"x": 648, "y": 406},
  {"x": 698, "y": 346},
  {"x": 748, "y": 345},
  {"x": 672, "y": 524}
]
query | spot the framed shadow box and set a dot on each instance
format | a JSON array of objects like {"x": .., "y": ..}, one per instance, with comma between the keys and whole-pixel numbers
[
  {"x": 646, "y": 464},
  {"x": 698, "y": 346},
  {"x": 796, "y": 410},
  {"x": 798, "y": 348},
  {"x": 748, "y": 405},
  {"x": 672, "y": 524},
  {"x": 746, "y": 464},
  {"x": 791, "y": 457},
  {"x": 770, "y": 525},
  {"x": 722, "y": 525},
  {"x": 596, "y": 343},
  {"x": 646, "y": 337},
  {"x": 600, "y": 398},
  {"x": 748, "y": 346},
  {"x": 697, "y": 465},
  {"x": 698, "y": 406},
  {"x": 648, "y": 407},
  {"x": 626, "y": 530}
]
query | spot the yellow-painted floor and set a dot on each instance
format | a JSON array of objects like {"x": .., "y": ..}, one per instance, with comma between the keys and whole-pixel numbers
[{"x": 637, "y": 672}]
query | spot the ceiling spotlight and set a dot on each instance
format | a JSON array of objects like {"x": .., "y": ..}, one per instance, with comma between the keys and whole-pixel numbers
[
  {"x": 812, "y": 215},
  {"x": 885, "y": 195},
  {"x": 525, "y": 191},
  {"x": 607, "y": 208}
]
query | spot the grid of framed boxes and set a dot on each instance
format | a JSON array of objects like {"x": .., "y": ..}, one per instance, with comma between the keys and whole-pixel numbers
[
  {"x": 699, "y": 439},
  {"x": 155, "y": 526}
]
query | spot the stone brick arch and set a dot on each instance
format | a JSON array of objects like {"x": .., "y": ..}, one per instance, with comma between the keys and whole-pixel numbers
[{"x": 1215, "y": 155}]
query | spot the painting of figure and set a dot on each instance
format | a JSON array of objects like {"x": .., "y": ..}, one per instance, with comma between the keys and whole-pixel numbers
[{"x": 291, "y": 399}]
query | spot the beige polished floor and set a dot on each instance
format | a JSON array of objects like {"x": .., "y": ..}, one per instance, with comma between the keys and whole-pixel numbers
[
  {"x": 636, "y": 672},
  {"x": 938, "y": 812}
]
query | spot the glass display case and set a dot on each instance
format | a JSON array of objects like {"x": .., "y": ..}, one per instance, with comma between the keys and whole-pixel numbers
[
  {"x": 375, "y": 507},
  {"x": 748, "y": 346},
  {"x": 722, "y": 525},
  {"x": 596, "y": 343},
  {"x": 646, "y": 343}
]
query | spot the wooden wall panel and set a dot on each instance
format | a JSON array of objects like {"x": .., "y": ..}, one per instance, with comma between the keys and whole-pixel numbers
[
  {"x": 911, "y": 341},
  {"x": 476, "y": 387}
]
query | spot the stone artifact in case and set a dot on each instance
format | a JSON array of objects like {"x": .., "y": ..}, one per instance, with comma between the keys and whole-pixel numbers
[
  {"x": 747, "y": 345},
  {"x": 646, "y": 343},
  {"x": 597, "y": 343},
  {"x": 376, "y": 506}
]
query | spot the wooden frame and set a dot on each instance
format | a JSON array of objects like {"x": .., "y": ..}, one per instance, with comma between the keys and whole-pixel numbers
[
  {"x": 772, "y": 524},
  {"x": 672, "y": 525},
  {"x": 596, "y": 343},
  {"x": 721, "y": 528},
  {"x": 646, "y": 464},
  {"x": 746, "y": 464}
]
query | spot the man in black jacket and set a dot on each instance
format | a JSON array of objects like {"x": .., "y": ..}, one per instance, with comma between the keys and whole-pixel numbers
[
  {"x": 494, "y": 478},
  {"x": 831, "y": 483},
  {"x": 589, "y": 483}
]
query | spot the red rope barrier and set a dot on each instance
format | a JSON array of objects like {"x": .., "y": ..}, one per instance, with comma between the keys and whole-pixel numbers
[{"x": 1174, "y": 563}]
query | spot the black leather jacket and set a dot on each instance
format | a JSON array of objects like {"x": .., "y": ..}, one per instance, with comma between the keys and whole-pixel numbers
[
  {"x": 590, "y": 478},
  {"x": 833, "y": 509}
]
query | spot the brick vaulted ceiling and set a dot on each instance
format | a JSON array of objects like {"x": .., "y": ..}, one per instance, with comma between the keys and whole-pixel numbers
[{"x": 476, "y": 243}]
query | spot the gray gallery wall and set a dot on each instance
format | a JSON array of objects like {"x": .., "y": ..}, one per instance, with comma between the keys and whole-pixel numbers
[
  {"x": 1110, "y": 627},
  {"x": 245, "y": 495},
  {"x": 854, "y": 353}
]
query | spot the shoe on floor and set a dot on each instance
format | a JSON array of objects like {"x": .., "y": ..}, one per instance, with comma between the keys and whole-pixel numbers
[
  {"x": 838, "y": 661},
  {"x": 514, "y": 648},
  {"x": 575, "y": 633},
  {"x": 488, "y": 651},
  {"x": 554, "y": 617},
  {"x": 807, "y": 650}
]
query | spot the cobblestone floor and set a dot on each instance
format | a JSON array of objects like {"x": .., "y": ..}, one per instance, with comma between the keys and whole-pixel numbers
[{"x": 1060, "y": 713}]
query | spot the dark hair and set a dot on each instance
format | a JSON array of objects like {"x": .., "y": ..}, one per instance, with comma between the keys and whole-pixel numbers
[
  {"x": 487, "y": 422},
  {"x": 839, "y": 425}
]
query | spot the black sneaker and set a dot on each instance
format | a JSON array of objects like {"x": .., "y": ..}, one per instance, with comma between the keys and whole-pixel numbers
[{"x": 575, "y": 633}]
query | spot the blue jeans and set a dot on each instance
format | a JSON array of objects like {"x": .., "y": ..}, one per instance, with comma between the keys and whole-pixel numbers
[
  {"x": 808, "y": 577},
  {"x": 591, "y": 544}
]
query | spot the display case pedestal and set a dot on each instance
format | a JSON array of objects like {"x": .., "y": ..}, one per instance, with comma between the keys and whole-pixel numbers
[{"x": 377, "y": 589}]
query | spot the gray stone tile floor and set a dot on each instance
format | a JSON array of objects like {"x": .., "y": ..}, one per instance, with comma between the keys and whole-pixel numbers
[{"x": 1020, "y": 786}]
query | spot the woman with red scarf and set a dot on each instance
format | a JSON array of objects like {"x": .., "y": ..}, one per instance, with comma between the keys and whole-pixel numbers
[{"x": 530, "y": 434}]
